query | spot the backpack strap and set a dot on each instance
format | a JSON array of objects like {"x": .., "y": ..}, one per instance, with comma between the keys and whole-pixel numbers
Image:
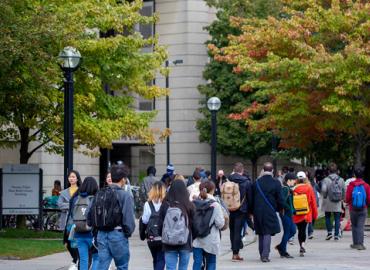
[
  {"x": 152, "y": 208},
  {"x": 264, "y": 196}
]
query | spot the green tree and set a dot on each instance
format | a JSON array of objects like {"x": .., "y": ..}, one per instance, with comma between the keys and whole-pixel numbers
[
  {"x": 311, "y": 68},
  {"x": 33, "y": 32},
  {"x": 233, "y": 136}
]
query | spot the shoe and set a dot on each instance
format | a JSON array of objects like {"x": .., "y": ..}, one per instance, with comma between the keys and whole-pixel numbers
[
  {"x": 361, "y": 247},
  {"x": 281, "y": 253},
  {"x": 310, "y": 236},
  {"x": 329, "y": 236},
  {"x": 73, "y": 266},
  {"x": 265, "y": 260},
  {"x": 336, "y": 238},
  {"x": 237, "y": 258},
  {"x": 286, "y": 255},
  {"x": 291, "y": 242},
  {"x": 302, "y": 251}
]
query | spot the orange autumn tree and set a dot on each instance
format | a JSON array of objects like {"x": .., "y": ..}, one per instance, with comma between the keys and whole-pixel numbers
[{"x": 309, "y": 71}]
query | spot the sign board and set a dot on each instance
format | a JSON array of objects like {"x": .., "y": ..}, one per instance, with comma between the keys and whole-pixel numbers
[{"x": 21, "y": 189}]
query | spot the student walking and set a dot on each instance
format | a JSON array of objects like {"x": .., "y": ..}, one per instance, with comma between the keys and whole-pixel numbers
[
  {"x": 65, "y": 223},
  {"x": 83, "y": 233},
  {"x": 112, "y": 214},
  {"x": 177, "y": 213},
  {"x": 304, "y": 203},
  {"x": 358, "y": 198},
  {"x": 333, "y": 192},
  {"x": 287, "y": 216},
  {"x": 152, "y": 219},
  {"x": 267, "y": 201},
  {"x": 209, "y": 219}
]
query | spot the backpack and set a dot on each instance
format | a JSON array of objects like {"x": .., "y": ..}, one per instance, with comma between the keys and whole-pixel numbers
[
  {"x": 79, "y": 214},
  {"x": 106, "y": 212},
  {"x": 230, "y": 194},
  {"x": 335, "y": 193},
  {"x": 154, "y": 227},
  {"x": 202, "y": 218},
  {"x": 300, "y": 204},
  {"x": 359, "y": 197},
  {"x": 175, "y": 229}
]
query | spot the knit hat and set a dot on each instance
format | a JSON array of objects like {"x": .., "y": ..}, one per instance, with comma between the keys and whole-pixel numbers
[{"x": 170, "y": 169}]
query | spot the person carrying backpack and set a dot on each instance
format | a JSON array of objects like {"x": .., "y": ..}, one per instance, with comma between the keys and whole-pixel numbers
[
  {"x": 177, "y": 216},
  {"x": 333, "y": 192},
  {"x": 83, "y": 233},
  {"x": 237, "y": 194},
  {"x": 358, "y": 198},
  {"x": 305, "y": 207},
  {"x": 207, "y": 222},
  {"x": 152, "y": 219},
  {"x": 112, "y": 214}
]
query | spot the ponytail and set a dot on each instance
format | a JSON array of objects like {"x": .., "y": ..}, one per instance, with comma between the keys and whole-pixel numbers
[{"x": 205, "y": 188}]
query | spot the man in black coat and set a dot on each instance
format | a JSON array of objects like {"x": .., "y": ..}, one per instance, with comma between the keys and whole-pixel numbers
[
  {"x": 267, "y": 200},
  {"x": 238, "y": 217}
]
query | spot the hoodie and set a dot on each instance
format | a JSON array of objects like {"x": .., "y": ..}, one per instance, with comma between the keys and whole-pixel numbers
[
  {"x": 245, "y": 188},
  {"x": 350, "y": 188}
]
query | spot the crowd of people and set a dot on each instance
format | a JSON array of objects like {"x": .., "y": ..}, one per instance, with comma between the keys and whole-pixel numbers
[{"x": 186, "y": 217}]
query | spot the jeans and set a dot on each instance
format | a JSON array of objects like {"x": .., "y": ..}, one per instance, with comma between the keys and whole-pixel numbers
[
  {"x": 289, "y": 231},
  {"x": 158, "y": 257},
  {"x": 198, "y": 254},
  {"x": 113, "y": 244},
  {"x": 84, "y": 244},
  {"x": 358, "y": 218},
  {"x": 180, "y": 256},
  {"x": 329, "y": 224},
  {"x": 237, "y": 219}
]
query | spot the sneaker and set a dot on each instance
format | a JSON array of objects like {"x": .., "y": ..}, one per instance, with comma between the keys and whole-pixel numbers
[
  {"x": 310, "y": 236},
  {"x": 265, "y": 260},
  {"x": 329, "y": 236},
  {"x": 237, "y": 258},
  {"x": 336, "y": 238},
  {"x": 361, "y": 247},
  {"x": 291, "y": 242},
  {"x": 281, "y": 253},
  {"x": 286, "y": 255},
  {"x": 302, "y": 251},
  {"x": 73, "y": 266},
  {"x": 354, "y": 246}
]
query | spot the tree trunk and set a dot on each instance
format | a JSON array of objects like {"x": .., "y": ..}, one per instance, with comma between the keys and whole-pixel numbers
[
  {"x": 358, "y": 153},
  {"x": 254, "y": 168},
  {"x": 367, "y": 165}
]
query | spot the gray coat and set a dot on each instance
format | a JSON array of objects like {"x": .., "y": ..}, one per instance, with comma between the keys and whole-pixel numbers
[
  {"x": 147, "y": 184},
  {"x": 327, "y": 205},
  {"x": 63, "y": 204},
  {"x": 212, "y": 242}
]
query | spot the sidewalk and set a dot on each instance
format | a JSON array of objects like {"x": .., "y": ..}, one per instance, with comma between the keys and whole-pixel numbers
[{"x": 321, "y": 254}]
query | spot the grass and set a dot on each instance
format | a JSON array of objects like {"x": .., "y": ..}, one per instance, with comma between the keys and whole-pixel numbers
[
  {"x": 27, "y": 248},
  {"x": 25, "y": 244}
]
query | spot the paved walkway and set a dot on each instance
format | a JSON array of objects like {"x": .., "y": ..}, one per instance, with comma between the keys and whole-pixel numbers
[{"x": 321, "y": 254}]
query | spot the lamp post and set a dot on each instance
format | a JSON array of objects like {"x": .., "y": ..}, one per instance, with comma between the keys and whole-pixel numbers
[
  {"x": 213, "y": 104},
  {"x": 70, "y": 60},
  {"x": 175, "y": 62}
]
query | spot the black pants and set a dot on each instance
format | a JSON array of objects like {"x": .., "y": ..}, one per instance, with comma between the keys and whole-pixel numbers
[
  {"x": 302, "y": 232},
  {"x": 72, "y": 251},
  {"x": 237, "y": 220},
  {"x": 158, "y": 257}
]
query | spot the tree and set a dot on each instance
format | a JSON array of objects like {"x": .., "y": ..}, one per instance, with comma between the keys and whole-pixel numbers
[
  {"x": 233, "y": 137},
  {"x": 33, "y": 32},
  {"x": 309, "y": 73}
]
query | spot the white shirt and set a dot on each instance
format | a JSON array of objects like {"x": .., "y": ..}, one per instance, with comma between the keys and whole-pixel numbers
[{"x": 147, "y": 212}]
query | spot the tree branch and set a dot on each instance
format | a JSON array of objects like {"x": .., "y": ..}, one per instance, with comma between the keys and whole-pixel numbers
[{"x": 38, "y": 147}]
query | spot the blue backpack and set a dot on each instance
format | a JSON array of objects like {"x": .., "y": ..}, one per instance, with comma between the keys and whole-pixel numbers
[{"x": 359, "y": 197}]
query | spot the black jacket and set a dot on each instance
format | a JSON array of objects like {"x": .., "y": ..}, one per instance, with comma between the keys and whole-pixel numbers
[
  {"x": 245, "y": 188},
  {"x": 265, "y": 218}
]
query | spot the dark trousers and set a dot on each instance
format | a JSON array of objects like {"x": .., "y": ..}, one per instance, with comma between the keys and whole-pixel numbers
[
  {"x": 302, "y": 232},
  {"x": 358, "y": 218},
  {"x": 329, "y": 224},
  {"x": 264, "y": 244},
  {"x": 72, "y": 251},
  {"x": 289, "y": 231},
  {"x": 311, "y": 228},
  {"x": 158, "y": 257},
  {"x": 236, "y": 224}
]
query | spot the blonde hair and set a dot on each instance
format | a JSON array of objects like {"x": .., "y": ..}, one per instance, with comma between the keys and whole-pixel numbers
[
  {"x": 157, "y": 192},
  {"x": 179, "y": 177}
]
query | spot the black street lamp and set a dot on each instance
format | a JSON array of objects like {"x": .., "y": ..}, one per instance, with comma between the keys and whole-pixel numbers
[
  {"x": 213, "y": 104},
  {"x": 70, "y": 60},
  {"x": 175, "y": 62}
]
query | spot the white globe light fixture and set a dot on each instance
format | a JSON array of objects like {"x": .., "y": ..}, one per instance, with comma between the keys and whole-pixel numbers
[
  {"x": 214, "y": 104},
  {"x": 70, "y": 58}
]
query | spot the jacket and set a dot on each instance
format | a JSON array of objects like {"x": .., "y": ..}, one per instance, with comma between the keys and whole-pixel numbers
[
  {"x": 266, "y": 221},
  {"x": 327, "y": 205},
  {"x": 313, "y": 212},
  {"x": 147, "y": 184},
  {"x": 212, "y": 242},
  {"x": 63, "y": 205},
  {"x": 350, "y": 188},
  {"x": 245, "y": 188},
  {"x": 288, "y": 201}
]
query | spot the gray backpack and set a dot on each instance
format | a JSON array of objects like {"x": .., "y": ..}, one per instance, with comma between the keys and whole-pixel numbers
[
  {"x": 335, "y": 193},
  {"x": 175, "y": 227},
  {"x": 79, "y": 214}
]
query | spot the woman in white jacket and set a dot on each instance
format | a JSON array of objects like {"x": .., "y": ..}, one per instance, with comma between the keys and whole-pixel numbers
[{"x": 209, "y": 246}]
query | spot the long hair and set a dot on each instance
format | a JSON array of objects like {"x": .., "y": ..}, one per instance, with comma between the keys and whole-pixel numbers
[
  {"x": 207, "y": 187},
  {"x": 157, "y": 193},
  {"x": 89, "y": 186},
  {"x": 79, "y": 182},
  {"x": 178, "y": 193}
]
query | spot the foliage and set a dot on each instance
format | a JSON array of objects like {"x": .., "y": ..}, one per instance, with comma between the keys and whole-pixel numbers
[
  {"x": 233, "y": 137},
  {"x": 26, "y": 233},
  {"x": 308, "y": 72},
  {"x": 33, "y": 32}
]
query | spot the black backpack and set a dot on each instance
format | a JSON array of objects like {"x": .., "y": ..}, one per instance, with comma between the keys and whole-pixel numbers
[
  {"x": 154, "y": 227},
  {"x": 106, "y": 212},
  {"x": 202, "y": 218}
]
